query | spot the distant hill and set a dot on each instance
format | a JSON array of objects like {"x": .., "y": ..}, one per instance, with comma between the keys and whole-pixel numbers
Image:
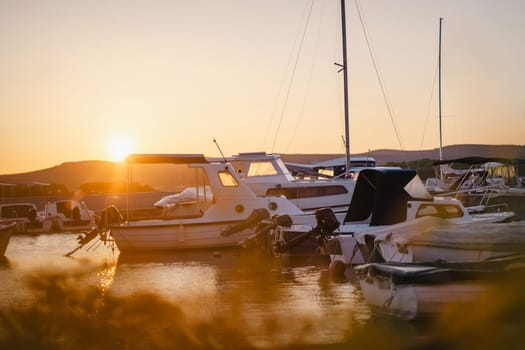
[
  {"x": 74, "y": 174},
  {"x": 384, "y": 156}
]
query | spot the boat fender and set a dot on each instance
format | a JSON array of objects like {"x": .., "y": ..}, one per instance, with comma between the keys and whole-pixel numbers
[{"x": 283, "y": 220}]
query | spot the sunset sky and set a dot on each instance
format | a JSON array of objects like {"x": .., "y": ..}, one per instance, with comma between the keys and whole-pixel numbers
[{"x": 88, "y": 80}]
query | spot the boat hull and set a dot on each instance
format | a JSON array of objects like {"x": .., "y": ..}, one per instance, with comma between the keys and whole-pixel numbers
[
  {"x": 37, "y": 227},
  {"x": 155, "y": 236},
  {"x": 411, "y": 291},
  {"x": 467, "y": 243},
  {"x": 411, "y": 301},
  {"x": 6, "y": 230}
]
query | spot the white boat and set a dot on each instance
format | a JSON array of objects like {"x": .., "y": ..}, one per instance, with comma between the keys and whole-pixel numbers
[
  {"x": 197, "y": 224},
  {"x": 70, "y": 215},
  {"x": 6, "y": 230},
  {"x": 26, "y": 216},
  {"x": 267, "y": 175},
  {"x": 391, "y": 208},
  {"x": 410, "y": 291},
  {"x": 435, "y": 241}
]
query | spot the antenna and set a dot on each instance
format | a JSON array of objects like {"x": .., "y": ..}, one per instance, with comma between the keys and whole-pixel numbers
[{"x": 219, "y": 148}]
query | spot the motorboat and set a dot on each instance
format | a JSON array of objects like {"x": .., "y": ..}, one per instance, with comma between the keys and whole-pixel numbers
[
  {"x": 409, "y": 291},
  {"x": 26, "y": 216},
  {"x": 310, "y": 187},
  {"x": 391, "y": 208},
  {"x": 197, "y": 224},
  {"x": 386, "y": 202},
  {"x": 6, "y": 230},
  {"x": 69, "y": 215},
  {"x": 435, "y": 241},
  {"x": 474, "y": 174}
]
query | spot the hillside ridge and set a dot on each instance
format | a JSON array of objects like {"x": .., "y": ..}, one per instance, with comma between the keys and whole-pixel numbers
[{"x": 74, "y": 174}]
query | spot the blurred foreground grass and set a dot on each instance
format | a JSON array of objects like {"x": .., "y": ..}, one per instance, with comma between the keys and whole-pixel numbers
[{"x": 64, "y": 312}]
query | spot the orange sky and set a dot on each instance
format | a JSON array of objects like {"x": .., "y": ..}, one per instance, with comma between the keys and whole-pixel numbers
[{"x": 169, "y": 76}]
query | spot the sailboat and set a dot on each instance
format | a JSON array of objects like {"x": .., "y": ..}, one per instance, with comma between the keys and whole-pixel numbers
[{"x": 304, "y": 246}]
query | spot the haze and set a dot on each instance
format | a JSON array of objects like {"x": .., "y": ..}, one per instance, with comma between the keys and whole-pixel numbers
[{"x": 84, "y": 80}]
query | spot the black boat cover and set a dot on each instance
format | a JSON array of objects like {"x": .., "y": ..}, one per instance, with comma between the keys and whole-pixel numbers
[{"x": 382, "y": 194}]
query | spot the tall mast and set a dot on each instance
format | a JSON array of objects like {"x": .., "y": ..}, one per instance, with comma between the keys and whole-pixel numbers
[
  {"x": 439, "y": 88},
  {"x": 345, "y": 79}
]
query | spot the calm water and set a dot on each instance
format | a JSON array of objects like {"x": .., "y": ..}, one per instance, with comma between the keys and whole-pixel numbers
[
  {"x": 298, "y": 302},
  {"x": 215, "y": 300}
]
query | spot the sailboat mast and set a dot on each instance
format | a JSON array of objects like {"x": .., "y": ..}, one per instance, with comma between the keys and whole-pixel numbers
[
  {"x": 345, "y": 80},
  {"x": 439, "y": 93}
]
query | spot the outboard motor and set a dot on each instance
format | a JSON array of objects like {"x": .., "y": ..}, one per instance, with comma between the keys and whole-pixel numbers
[
  {"x": 326, "y": 224},
  {"x": 326, "y": 221},
  {"x": 109, "y": 216}
]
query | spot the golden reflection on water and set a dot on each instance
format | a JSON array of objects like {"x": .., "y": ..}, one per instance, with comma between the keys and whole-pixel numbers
[
  {"x": 215, "y": 301},
  {"x": 106, "y": 276},
  {"x": 243, "y": 296}
]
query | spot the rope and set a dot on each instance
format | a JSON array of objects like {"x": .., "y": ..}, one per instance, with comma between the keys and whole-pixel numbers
[
  {"x": 378, "y": 74},
  {"x": 293, "y": 76},
  {"x": 309, "y": 80}
]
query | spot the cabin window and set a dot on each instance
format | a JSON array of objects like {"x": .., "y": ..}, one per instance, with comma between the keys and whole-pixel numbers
[
  {"x": 16, "y": 211},
  {"x": 261, "y": 169},
  {"x": 441, "y": 211},
  {"x": 326, "y": 172},
  {"x": 227, "y": 179}
]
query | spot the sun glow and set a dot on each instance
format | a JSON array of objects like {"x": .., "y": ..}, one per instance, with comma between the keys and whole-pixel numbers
[{"x": 119, "y": 148}]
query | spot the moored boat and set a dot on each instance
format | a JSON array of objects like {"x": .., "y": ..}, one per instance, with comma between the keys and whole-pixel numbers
[
  {"x": 394, "y": 203},
  {"x": 26, "y": 216},
  {"x": 70, "y": 215},
  {"x": 197, "y": 224},
  {"x": 410, "y": 291}
]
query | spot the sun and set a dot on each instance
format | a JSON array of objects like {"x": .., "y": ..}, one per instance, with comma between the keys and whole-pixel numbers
[{"x": 119, "y": 147}]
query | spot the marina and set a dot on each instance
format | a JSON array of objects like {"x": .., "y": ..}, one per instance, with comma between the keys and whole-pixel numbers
[{"x": 303, "y": 245}]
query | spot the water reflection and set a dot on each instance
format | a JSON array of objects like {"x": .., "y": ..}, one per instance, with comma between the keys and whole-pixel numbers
[
  {"x": 265, "y": 302},
  {"x": 209, "y": 299},
  {"x": 275, "y": 303}
]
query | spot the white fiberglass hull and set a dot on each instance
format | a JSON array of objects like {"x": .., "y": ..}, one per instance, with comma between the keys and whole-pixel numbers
[
  {"x": 454, "y": 243},
  {"x": 156, "y": 235},
  {"x": 416, "y": 290},
  {"x": 412, "y": 300},
  {"x": 22, "y": 226}
]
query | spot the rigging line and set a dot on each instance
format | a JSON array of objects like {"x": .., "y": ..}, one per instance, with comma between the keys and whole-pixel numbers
[
  {"x": 429, "y": 104},
  {"x": 309, "y": 83},
  {"x": 288, "y": 64},
  {"x": 378, "y": 73},
  {"x": 293, "y": 76}
]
